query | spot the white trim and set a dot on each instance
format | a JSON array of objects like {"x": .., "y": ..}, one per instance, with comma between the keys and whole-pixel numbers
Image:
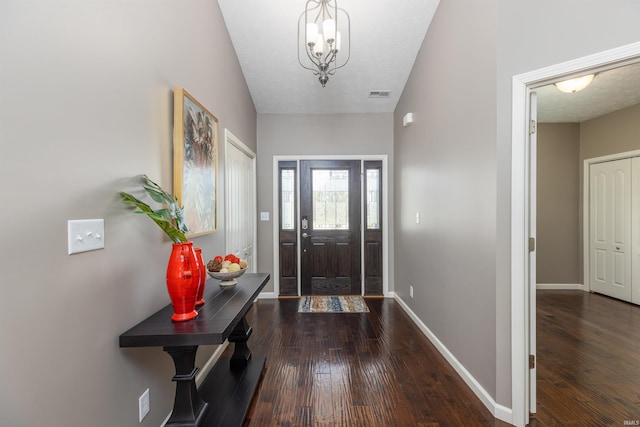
[
  {"x": 560, "y": 286},
  {"x": 275, "y": 219},
  {"x": 500, "y": 412},
  {"x": 363, "y": 227},
  {"x": 586, "y": 217},
  {"x": 385, "y": 212},
  {"x": 521, "y": 85},
  {"x": 268, "y": 295},
  {"x": 210, "y": 363}
]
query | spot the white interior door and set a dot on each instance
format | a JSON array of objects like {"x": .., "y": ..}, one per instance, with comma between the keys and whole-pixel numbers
[
  {"x": 533, "y": 178},
  {"x": 610, "y": 228},
  {"x": 240, "y": 196}
]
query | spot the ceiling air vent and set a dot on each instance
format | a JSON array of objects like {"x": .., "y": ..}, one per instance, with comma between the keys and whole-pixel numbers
[{"x": 379, "y": 93}]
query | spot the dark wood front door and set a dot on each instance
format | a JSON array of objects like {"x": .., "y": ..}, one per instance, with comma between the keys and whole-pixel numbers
[{"x": 330, "y": 227}]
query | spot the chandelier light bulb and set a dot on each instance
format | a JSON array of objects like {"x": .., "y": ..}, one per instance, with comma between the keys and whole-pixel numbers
[
  {"x": 329, "y": 30},
  {"x": 312, "y": 33},
  {"x": 318, "y": 49}
]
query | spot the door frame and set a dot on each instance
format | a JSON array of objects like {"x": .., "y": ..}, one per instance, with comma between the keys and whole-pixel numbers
[
  {"x": 385, "y": 214},
  {"x": 521, "y": 176}
]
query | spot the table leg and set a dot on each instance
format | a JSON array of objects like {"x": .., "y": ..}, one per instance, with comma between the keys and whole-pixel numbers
[
  {"x": 239, "y": 337},
  {"x": 188, "y": 407}
]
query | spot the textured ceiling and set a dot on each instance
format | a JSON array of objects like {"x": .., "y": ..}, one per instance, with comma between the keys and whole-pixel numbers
[
  {"x": 610, "y": 91},
  {"x": 385, "y": 38}
]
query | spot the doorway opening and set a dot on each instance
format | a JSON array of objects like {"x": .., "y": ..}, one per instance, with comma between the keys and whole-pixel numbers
[{"x": 523, "y": 203}]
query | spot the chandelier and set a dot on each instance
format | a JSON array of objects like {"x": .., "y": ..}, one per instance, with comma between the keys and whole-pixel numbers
[{"x": 321, "y": 38}]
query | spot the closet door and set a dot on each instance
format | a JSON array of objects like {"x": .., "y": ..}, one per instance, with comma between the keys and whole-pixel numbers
[
  {"x": 635, "y": 230},
  {"x": 610, "y": 228}
]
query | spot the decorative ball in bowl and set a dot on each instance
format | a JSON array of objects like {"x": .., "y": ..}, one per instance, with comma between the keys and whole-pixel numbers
[{"x": 226, "y": 269}]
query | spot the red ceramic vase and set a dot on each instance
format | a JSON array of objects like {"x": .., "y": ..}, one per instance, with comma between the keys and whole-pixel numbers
[
  {"x": 202, "y": 275},
  {"x": 183, "y": 279}
]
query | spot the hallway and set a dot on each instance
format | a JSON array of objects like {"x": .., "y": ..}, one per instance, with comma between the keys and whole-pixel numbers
[{"x": 373, "y": 369}]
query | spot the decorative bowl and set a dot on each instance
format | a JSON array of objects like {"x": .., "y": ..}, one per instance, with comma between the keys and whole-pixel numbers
[{"x": 227, "y": 279}]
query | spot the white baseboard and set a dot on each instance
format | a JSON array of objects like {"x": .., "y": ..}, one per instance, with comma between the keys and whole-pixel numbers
[
  {"x": 272, "y": 295},
  {"x": 561, "y": 286},
  {"x": 202, "y": 373},
  {"x": 499, "y": 411},
  {"x": 267, "y": 295}
]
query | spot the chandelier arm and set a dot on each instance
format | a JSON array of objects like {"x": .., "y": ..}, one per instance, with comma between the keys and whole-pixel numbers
[
  {"x": 326, "y": 9},
  {"x": 329, "y": 57},
  {"x": 348, "y": 37},
  {"x": 313, "y": 61}
]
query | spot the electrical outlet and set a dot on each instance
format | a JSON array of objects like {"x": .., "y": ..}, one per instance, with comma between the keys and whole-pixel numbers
[
  {"x": 85, "y": 235},
  {"x": 411, "y": 291},
  {"x": 143, "y": 405}
]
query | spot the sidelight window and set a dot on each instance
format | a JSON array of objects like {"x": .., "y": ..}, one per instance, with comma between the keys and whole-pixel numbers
[
  {"x": 373, "y": 199},
  {"x": 287, "y": 199}
]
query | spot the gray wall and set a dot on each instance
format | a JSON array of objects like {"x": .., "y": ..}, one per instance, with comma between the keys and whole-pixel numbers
[
  {"x": 446, "y": 171},
  {"x": 454, "y": 163},
  {"x": 612, "y": 133},
  {"x": 558, "y": 228},
  {"x": 87, "y": 91},
  {"x": 315, "y": 135}
]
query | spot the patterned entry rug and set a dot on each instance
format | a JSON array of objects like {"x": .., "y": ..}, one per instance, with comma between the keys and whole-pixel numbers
[{"x": 332, "y": 304}]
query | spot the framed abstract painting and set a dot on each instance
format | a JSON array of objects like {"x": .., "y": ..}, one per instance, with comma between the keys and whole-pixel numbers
[{"x": 195, "y": 163}]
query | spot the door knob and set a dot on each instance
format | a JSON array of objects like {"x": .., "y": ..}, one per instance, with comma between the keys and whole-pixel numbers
[{"x": 305, "y": 235}]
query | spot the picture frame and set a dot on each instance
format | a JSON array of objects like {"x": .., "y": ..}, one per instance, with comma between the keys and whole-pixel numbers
[{"x": 195, "y": 163}]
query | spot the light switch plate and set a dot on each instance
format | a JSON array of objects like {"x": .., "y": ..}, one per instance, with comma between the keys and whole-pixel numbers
[
  {"x": 143, "y": 405},
  {"x": 85, "y": 235},
  {"x": 264, "y": 216}
]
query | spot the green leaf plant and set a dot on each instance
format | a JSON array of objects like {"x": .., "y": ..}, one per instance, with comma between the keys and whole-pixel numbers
[{"x": 170, "y": 218}]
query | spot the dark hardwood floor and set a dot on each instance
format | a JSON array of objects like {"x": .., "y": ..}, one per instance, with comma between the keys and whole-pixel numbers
[
  {"x": 378, "y": 369},
  {"x": 588, "y": 360},
  {"x": 371, "y": 369}
]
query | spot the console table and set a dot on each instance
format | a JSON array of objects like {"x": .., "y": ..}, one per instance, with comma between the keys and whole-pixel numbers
[{"x": 224, "y": 397}]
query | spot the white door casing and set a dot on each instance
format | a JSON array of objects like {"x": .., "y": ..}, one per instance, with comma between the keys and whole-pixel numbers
[
  {"x": 533, "y": 161},
  {"x": 240, "y": 197},
  {"x": 610, "y": 228}
]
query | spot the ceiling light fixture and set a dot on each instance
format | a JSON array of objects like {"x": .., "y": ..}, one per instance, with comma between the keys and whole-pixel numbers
[
  {"x": 575, "y": 85},
  {"x": 322, "y": 34}
]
